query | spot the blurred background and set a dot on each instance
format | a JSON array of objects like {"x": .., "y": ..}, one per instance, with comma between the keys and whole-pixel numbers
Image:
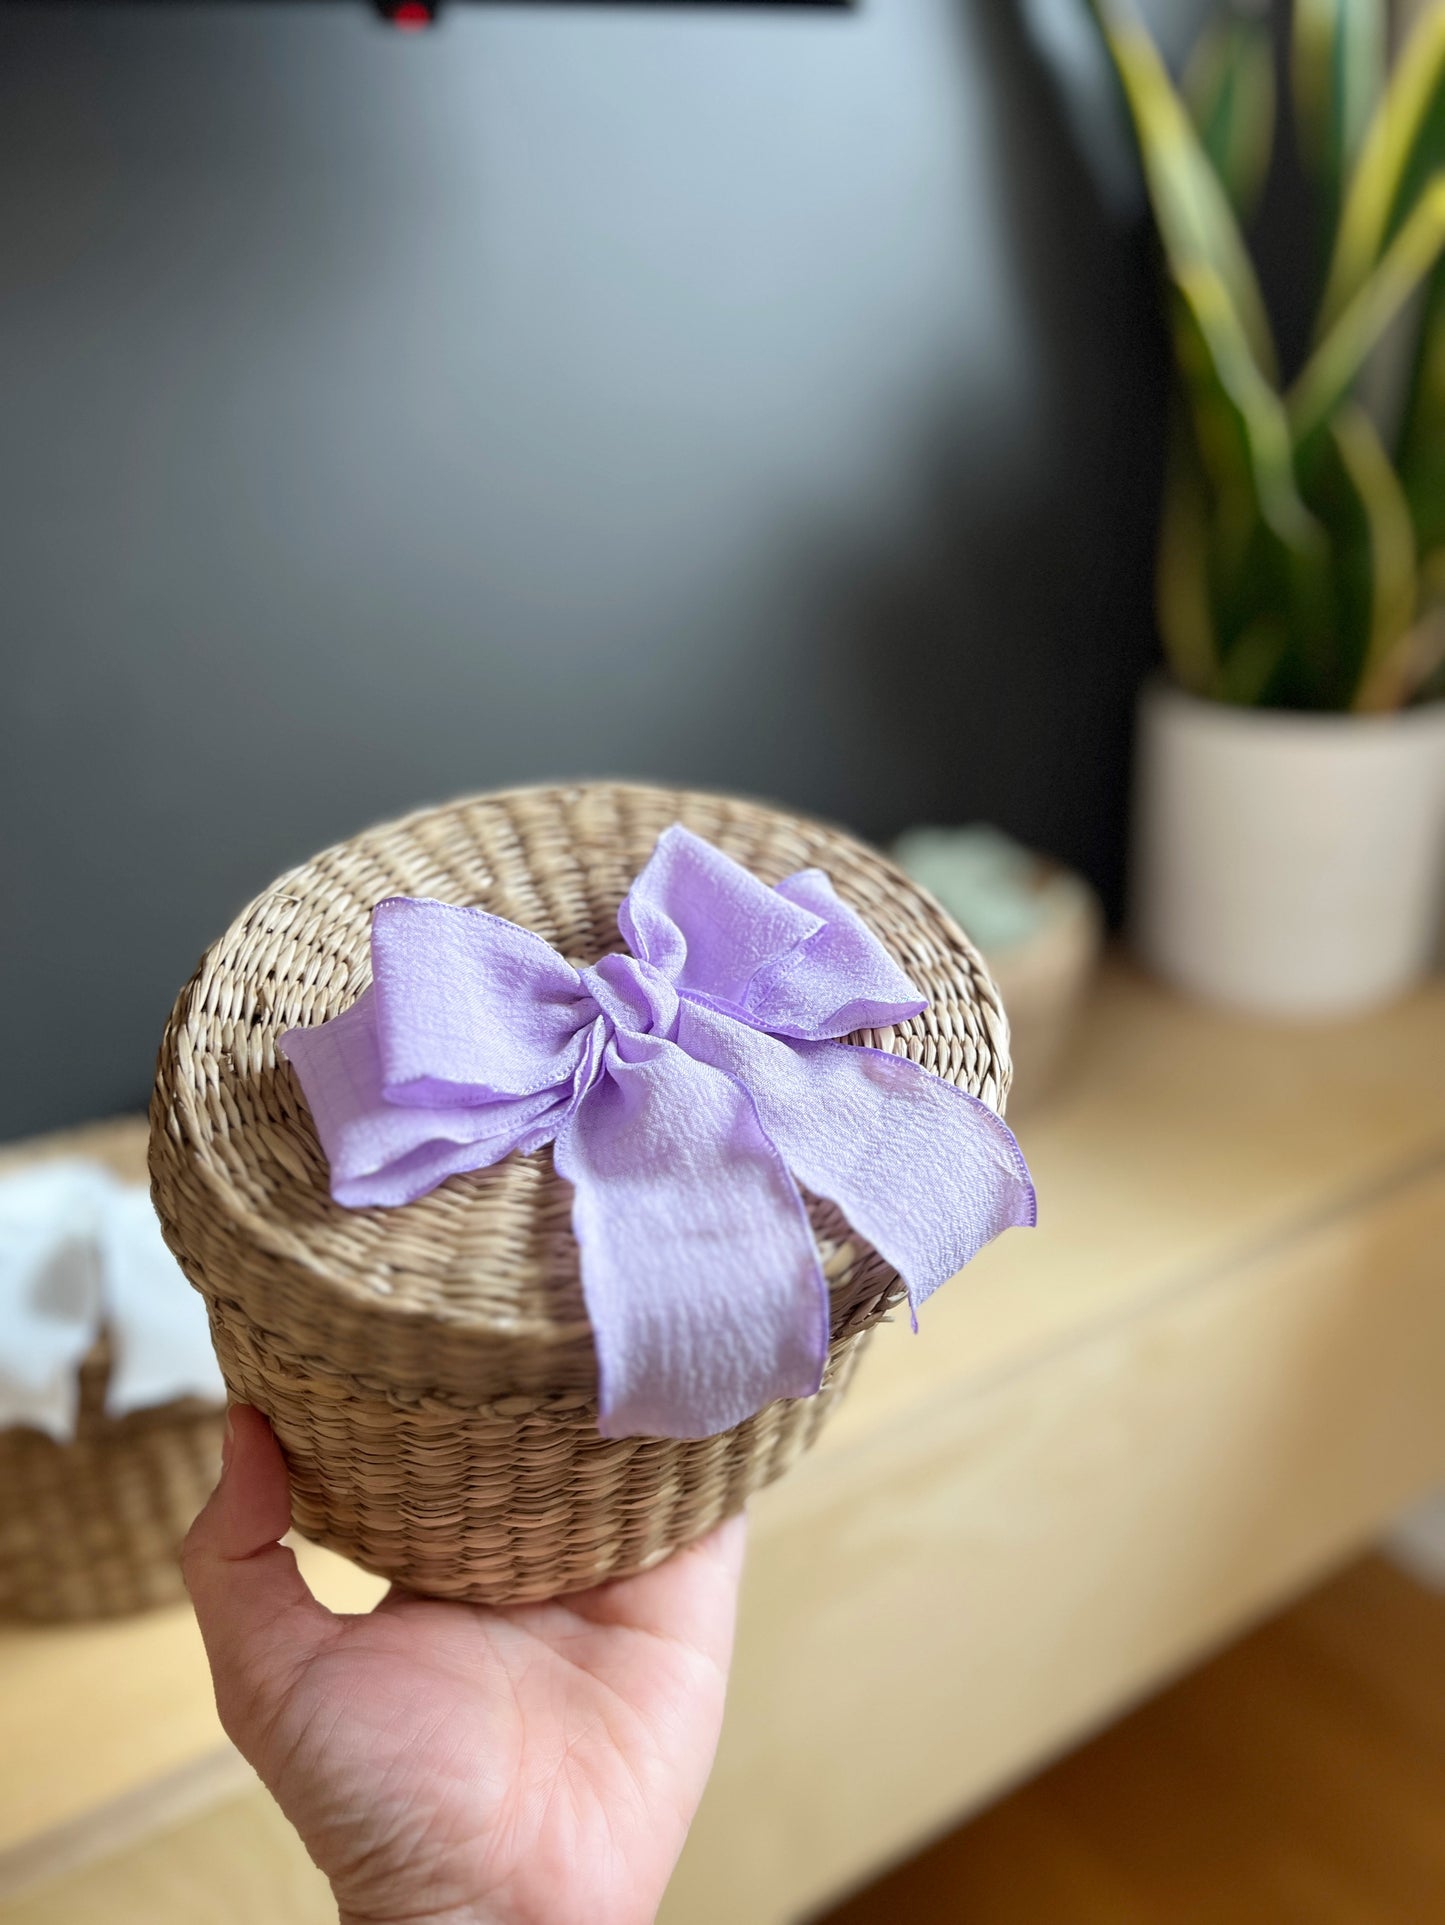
[
  {"x": 855, "y": 406},
  {"x": 761, "y": 399}
]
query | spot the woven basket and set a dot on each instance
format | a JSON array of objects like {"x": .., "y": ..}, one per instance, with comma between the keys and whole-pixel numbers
[
  {"x": 93, "y": 1528},
  {"x": 430, "y": 1370}
]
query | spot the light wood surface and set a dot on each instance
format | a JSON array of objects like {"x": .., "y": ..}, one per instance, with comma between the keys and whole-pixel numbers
[
  {"x": 1216, "y": 1366},
  {"x": 239, "y": 1863},
  {"x": 937, "y": 1612},
  {"x": 109, "y": 1730},
  {"x": 1300, "y": 1777},
  {"x": 1185, "y": 1139}
]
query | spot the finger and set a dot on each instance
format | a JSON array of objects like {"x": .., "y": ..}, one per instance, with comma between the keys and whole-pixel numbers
[
  {"x": 258, "y": 1620},
  {"x": 714, "y": 1562},
  {"x": 692, "y": 1595},
  {"x": 724, "y": 1547}
]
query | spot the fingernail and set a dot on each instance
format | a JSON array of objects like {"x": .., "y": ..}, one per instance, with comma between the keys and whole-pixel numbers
[{"x": 226, "y": 1442}]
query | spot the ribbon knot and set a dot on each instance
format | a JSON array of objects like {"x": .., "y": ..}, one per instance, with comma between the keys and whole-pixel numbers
[{"x": 687, "y": 1088}]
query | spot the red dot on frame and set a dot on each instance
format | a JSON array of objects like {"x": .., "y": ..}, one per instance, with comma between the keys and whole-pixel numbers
[{"x": 410, "y": 15}]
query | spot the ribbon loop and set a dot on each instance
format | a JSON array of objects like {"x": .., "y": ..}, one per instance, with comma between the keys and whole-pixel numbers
[
  {"x": 705, "y": 921},
  {"x": 470, "y": 1007},
  {"x": 839, "y": 979},
  {"x": 686, "y": 1086}
]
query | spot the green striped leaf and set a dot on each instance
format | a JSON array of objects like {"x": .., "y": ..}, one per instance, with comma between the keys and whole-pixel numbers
[
  {"x": 1193, "y": 214},
  {"x": 1402, "y": 154},
  {"x": 1358, "y": 497},
  {"x": 1337, "y": 69},
  {"x": 1332, "y": 369},
  {"x": 1266, "y": 559},
  {"x": 1182, "y": 585},
  {"x": 1228, "y": 87},
  {"x": 1254, "y": 662},
  {"x": 1422, "y": 435},
  {"x": 1241, "y": 428}
]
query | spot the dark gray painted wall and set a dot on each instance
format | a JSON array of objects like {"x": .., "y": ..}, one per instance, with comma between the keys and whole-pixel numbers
[{"x": 754, "y": 399}]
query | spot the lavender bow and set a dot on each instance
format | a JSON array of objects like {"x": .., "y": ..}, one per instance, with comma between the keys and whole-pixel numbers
[{"x": 684, "y": 1086}]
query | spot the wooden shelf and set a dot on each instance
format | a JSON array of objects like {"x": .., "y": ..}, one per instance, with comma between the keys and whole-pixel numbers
[
  {"x": 1213, "y": 1370},
  {"x": 109, "y": 1730}
]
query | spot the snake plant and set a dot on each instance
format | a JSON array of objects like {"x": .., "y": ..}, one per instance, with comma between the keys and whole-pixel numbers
[{"x": 1302, "y": 544}]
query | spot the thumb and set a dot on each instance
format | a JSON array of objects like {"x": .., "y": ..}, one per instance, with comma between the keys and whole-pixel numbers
[{"x": 259, "y": 1622}]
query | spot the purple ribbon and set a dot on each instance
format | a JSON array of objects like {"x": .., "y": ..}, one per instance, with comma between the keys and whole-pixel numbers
[{"x": 684, "y": 1087}]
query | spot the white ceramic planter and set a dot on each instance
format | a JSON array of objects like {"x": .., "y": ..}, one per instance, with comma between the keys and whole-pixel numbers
[{"x": 1287, "y": 864}]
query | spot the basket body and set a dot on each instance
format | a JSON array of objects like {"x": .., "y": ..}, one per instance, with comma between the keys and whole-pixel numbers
[
  {"x": 93, "y": 1528},
  {"x": 429, "y": 1371},
  {"x": 519, "y": 1498}
]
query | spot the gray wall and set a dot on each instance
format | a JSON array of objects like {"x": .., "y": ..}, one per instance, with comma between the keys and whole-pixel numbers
[{"x": 758, "y": 399}]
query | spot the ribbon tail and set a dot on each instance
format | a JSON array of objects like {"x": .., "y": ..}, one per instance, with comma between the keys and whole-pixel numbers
[
  {"x": 926, "y": 1172},
  {"x": 701, "y": 1277}
]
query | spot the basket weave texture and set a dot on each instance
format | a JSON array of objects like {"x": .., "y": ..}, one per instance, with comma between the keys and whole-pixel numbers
[
  {"x": 430, "y": 1370},
  {"x": 92, "y": 1527}
]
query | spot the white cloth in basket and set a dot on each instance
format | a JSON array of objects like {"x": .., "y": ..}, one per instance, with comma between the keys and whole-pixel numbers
[{"x": 81, "y": 1252}]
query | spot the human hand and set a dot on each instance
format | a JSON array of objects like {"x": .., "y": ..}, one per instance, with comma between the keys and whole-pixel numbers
[{"x": 452, "y": 1764}]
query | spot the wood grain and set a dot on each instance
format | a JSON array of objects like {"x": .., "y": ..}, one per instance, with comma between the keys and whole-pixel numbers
[
  {"x": 937, "y": 1611},
  {"x": 1299, "y": 1777}
]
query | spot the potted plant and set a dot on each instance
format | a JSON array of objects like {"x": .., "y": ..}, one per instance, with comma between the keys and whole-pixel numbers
[{"x": 1290, "y": 802}]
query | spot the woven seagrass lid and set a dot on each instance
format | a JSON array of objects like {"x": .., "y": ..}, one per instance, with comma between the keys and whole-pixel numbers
[{"x": 474, "y": 1288}]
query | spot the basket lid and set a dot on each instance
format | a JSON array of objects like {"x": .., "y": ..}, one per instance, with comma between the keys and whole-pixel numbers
[{"x": 474, "y": 1288}]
